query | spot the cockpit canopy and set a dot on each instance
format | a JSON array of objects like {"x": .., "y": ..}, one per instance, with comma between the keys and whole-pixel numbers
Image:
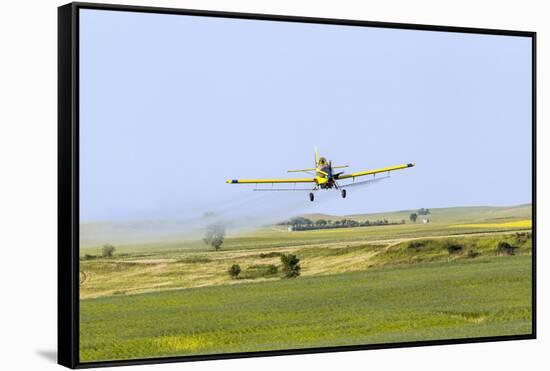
[{"x": 322, "y": 161}]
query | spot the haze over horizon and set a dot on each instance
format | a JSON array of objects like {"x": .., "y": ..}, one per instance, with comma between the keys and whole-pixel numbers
[{"x": 305, "y": 212}]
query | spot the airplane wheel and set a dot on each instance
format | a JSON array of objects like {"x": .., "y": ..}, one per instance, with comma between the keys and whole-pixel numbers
[
  {"x": 343, "y": 193},
  {"x": 311, "y": 197}
]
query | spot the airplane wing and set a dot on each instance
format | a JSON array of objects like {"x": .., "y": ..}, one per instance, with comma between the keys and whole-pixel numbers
[
  {"x": 300, "y": 170},
  {"x": 263, "y": 181},
  {"x": 364, "y": 182},
  {"x": 376, "y": 171}
]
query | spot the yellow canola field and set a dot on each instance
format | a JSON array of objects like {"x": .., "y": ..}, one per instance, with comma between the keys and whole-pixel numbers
[{"x": 525, "y": 223}]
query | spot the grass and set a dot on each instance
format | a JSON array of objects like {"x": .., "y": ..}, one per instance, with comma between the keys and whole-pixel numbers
[
  {"x": 487, "y": 296},
  {"x": 194, "y": 259},
  {"x": 443, "y": 221},
  {"x": 272, "y": 238},
  {"x": 168, "y": 271},
  {"x": 443, "y": 215},
  {"x": 366, "y": 285},
  {"x": 259, "y": 270},
  {"x": 422, "y": 250}
]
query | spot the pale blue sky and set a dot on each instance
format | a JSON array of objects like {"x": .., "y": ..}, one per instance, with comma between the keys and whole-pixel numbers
[{"x": 171, "y": 106}]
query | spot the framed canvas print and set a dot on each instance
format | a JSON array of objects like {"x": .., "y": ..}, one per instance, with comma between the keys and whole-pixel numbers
[{"x": 237, "y": 185}]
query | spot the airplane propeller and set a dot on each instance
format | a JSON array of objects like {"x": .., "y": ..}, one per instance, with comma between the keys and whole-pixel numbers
[{"x": 333, "y": 175}]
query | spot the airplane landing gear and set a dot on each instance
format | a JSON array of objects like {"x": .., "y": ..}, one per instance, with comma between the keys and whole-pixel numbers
[
  {"x": 343, "y": 193},
  {"x": 311, "y": 197}
]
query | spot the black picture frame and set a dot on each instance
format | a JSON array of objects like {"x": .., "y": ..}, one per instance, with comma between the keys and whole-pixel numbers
[{"x": 68, "y": 180}]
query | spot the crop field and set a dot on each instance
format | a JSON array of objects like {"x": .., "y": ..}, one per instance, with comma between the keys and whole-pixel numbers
[
  {"x": 381, "y": 284},
  {"x": 526, "y": 223}
]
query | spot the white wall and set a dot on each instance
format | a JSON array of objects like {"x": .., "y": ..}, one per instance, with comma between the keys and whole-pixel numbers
[{"x": 28, "y": 150}]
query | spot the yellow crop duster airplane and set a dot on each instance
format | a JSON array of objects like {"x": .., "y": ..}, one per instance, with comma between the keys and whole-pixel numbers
[{"x": 325, "y": 177}]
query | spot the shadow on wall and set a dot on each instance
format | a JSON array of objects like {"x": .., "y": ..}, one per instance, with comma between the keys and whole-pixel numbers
[{"x": 50, "y": 355}]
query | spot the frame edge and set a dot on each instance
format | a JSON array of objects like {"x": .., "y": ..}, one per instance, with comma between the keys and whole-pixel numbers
[{"x": 67, "y": 334}]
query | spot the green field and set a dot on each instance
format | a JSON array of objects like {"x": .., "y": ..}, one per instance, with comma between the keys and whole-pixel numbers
[
  {"x": 442, "y": 221},
  {"x": 358, "y": 286}
]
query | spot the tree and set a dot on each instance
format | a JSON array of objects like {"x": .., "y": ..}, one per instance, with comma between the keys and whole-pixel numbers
[
  {"x": 506, "y": 248},
  {"x": 215, "y": 235},
  {"x": 234, "y": 271},
  {"x": 413, "y": 217},
  {"x": 108, "y": 250},
  {"x": 321, "y": 223},
  {"x": 454, "y": 248},
  {"x": 297, "y": 222},
  {"x": 291, "y": 268},
  {"x": 423, "y": 211}
]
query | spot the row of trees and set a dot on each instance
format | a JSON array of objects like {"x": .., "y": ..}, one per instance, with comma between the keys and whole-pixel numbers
[{"x": 301, "y": 223}]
